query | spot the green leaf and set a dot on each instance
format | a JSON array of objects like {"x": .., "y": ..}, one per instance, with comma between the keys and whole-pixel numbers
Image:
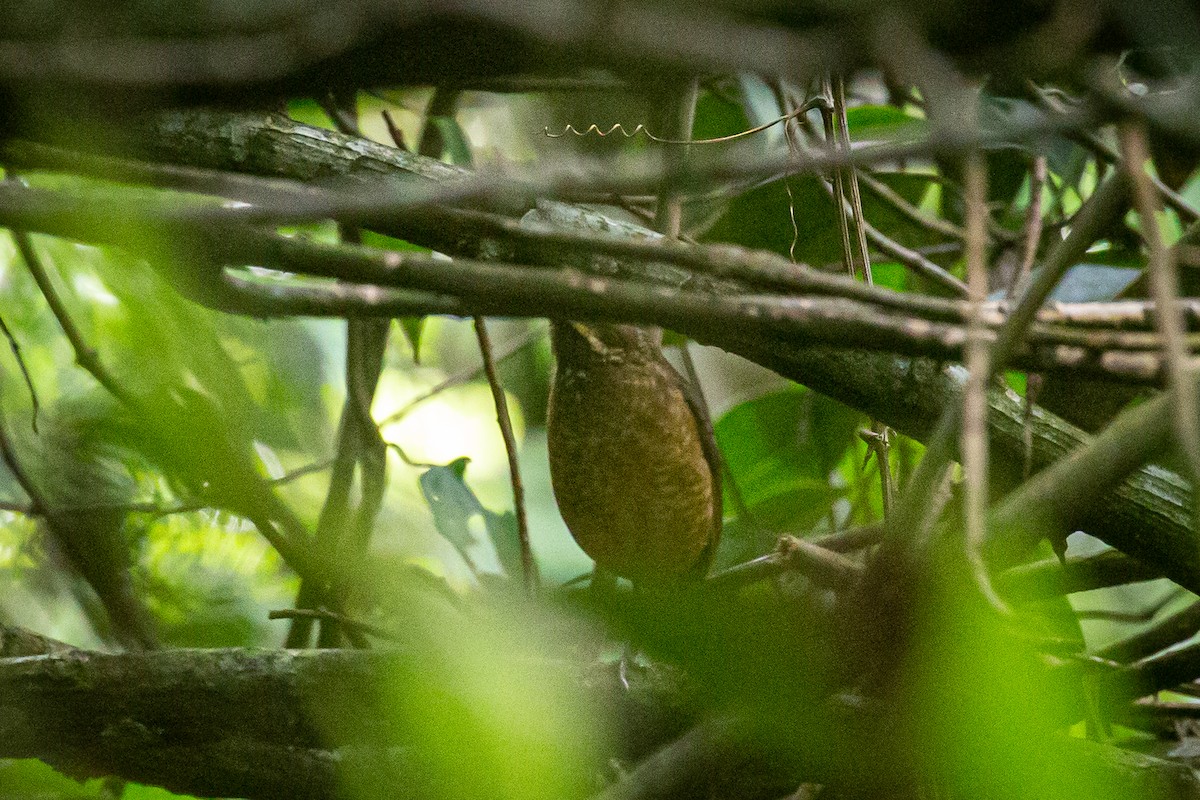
[
  {"x": 716, "y": 117},
  {"x": 413, "y": 328},
  {"x": 760, "y": 219},
  {"x": 502, "y": 530},
  {"x": 781, "y": 449},
  {"x": 28, "y": 778},
  {"x": 137, "y": 791},
  {"x": 882, "y": 122},
  {"x": 452, "y": 502},
  {"x": 454, "y": 140}
]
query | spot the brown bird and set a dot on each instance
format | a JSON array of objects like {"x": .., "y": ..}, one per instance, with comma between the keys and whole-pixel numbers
[{"x": 633, "y": 460}]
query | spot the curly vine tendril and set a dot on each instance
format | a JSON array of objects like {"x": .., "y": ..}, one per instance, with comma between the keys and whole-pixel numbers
[{"x": 642, "y": 130}]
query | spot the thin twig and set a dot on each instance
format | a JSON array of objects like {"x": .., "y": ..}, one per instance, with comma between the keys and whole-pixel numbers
[
  {"x": 974, "y": 436},
  {"x": 528, "y": 564},
  {"x": 300, "y": 472},
  {"x": 834, "y": 145},
  {"x": 904, "y": 255},
  {"x": 878, "y": 440},
  {"x": 855, "y": 198},
  {"x": 1164, "y": 288},
  {"x": 897, "y": 201},
  {"x": 394, "y": 130},
  {"x": 85, "y": 355},
  {"x": 824, "y": 566},
  {"x": 16, "y": 350},
  {"x": 463, "y": 376},
  {"x": 1032, "y": 233}
]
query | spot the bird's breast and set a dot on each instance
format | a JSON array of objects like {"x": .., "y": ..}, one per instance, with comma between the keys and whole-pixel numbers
[{"x": 629, "y": 472}]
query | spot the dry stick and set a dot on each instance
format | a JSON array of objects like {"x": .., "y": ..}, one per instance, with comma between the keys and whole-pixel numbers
[
  {"x": 915, "y": 261},
  {"x": 897, "y": 201},
  {"x": 824, "y": 566},
  {"x": 839, "y": 178},
  {"x": 908, "y": 257},
  {"x": 492, "y": 289},
  {"x": 528, "y": 564},
  {"x": 1164, "y": 288},
  {"x": 877, "y": 442},
  {"x": 1032, "y": 235},
  {"x": 488, "y": 288},
  {"x": 974, "y": 437},
  {"x": 787, "y": 558},
  {"x": 843, "y": 142}
]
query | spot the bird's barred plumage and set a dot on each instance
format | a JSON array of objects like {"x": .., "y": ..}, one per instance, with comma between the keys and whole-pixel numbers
[{"x": 632, "y": 459}]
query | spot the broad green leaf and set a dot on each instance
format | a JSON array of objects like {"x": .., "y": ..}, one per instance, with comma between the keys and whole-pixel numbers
[
  {"x": 874, "y": 122},
  {"x": 781, "y": 449}
]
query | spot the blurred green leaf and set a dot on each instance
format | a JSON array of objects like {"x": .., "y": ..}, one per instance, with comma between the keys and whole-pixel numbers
[
  {"x": 28, "y": 778},
  {"x": 716, "y": 116},
  {"x": 137, "y": 791},
  {"x": 413, "y": 328},
  {"x": 761, "y": 106},
  {"x": 452, "y": 502},
  {"x": 781, "y": 449},
  {"x": 867, "y": 122},
  {"x": 502, "y": 530},
  {"x": 454, "y": 140}
]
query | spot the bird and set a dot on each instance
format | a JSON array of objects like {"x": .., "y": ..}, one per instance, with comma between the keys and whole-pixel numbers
[{"x": 634, "y": 464}]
